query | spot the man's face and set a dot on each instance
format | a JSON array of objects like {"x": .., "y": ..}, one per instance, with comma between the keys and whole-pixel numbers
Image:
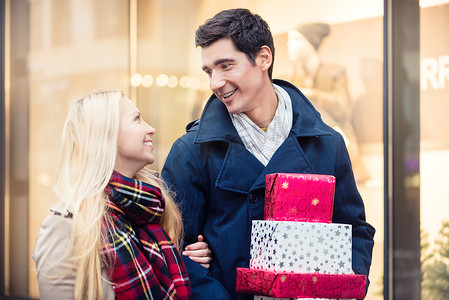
[{"x": 232, "y": 77}]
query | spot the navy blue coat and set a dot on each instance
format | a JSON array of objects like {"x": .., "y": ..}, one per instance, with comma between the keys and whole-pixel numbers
[{"x": 220, "y": 186}]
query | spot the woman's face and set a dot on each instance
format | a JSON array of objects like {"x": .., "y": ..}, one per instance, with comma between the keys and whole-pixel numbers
[{"x": 134, "y": 145}]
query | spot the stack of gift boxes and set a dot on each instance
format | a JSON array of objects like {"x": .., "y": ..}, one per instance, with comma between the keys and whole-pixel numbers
[{"x": 296, "y": 252}]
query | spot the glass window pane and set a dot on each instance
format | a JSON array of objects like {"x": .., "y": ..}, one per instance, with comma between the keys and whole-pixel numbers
[
  {"x": 434, "y": 52},
  {"x": 59, "y": 51},
  {"x": 62, "y": 49}
]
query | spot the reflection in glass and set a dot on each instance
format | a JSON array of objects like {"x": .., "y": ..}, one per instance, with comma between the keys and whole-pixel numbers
[{"x": 325, "y": 85}]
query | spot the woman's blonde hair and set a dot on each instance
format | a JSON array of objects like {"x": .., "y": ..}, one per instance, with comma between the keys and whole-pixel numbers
[{"x": 86, "y": 162}]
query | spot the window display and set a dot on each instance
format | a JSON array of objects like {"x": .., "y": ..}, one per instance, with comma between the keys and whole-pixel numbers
[{"x": 332, "y": 50}]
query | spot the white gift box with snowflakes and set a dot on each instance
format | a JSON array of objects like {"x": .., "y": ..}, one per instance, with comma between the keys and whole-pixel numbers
[{"x": 301, "y": 247}]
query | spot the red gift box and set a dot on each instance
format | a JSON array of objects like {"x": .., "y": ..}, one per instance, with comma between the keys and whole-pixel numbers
[
  {"x": 300, "y": 285},
  {"x": 299, "y": 197}
]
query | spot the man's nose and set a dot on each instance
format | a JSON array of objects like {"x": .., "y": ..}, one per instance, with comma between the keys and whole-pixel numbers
[{"x": 216, "y": 81}]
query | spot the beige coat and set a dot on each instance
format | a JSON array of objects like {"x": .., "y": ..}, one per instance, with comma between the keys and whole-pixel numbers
[{"x": 56, "y": 277}]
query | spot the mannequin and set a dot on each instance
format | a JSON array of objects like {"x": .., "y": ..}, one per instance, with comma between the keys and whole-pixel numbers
[{"x": 324, "y": 85}]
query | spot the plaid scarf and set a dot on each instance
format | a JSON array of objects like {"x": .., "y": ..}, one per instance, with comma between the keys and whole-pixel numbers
[{"x": 145, "y": 262}]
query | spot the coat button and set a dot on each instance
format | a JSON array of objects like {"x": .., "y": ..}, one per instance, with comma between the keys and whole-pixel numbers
[{"x": 253, "y": 198}]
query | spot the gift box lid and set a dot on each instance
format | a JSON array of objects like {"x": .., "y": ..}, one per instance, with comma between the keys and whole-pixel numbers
[{"x": 299, "y": 197}]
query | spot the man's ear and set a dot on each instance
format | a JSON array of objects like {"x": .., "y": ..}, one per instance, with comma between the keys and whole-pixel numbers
[{"x": 265, "y": 58}]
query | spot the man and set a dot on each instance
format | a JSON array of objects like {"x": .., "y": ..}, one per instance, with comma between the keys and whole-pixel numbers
[{"x": 251, "y": 127}]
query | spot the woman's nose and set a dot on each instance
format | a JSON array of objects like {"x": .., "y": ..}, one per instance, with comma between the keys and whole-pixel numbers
[{"x": 150, "y": 130}]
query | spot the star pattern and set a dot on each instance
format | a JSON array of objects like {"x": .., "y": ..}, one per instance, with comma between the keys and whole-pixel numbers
[
  {"x": 301, "y": 247},
  {"x": 289, "y": 246}
]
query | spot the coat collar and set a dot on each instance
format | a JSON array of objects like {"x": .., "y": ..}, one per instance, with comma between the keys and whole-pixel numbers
[
  {"x": 242, "y": 172},
  {"x": 215, "y": 123}
]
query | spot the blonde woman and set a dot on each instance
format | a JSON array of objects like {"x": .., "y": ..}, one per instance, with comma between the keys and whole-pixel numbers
[{"x": 116, "y": 231}]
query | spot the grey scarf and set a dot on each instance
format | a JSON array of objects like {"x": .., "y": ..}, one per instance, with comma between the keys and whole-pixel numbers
[{"x": 263, "y": 144}]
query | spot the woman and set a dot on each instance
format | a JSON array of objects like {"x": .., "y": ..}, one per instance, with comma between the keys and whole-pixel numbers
[{"x": 116, "y": 232}]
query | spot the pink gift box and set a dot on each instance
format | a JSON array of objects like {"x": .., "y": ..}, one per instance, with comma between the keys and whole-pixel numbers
[
  {"x": 300, "y": 285},
  {"x": 299, "y": 197}
]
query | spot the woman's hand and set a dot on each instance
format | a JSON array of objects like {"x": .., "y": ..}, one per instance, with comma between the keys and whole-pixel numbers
[{"x": 199, "y": 252}]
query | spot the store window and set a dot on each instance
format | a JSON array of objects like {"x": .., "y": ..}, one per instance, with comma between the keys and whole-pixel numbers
[
  {"x": 60, "y": 50},
  {"x": 434, "y": 52}
]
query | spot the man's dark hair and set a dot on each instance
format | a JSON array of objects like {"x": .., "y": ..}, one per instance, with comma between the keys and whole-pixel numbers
[{"x": 248, "y": 31}]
